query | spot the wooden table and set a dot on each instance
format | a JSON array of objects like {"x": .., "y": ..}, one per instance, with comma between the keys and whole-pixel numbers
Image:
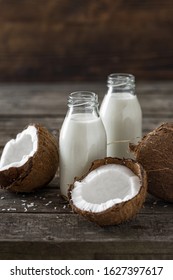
[{"x": 41, "y": 225}]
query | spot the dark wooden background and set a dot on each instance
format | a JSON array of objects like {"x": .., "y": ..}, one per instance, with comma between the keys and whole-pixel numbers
[{"x": 59, "y": 40}]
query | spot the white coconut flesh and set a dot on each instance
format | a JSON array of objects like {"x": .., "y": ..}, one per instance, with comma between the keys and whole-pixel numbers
[
  {"x": 17, "y": 151},
  {"x": 105, "y": 187}
]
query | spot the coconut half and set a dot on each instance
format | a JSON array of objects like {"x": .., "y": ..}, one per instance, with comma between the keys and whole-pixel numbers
[
  {"x": 155, "y": 153},
  {"x": 111, "y": 192},
  {"x": 30, "y": 161}
]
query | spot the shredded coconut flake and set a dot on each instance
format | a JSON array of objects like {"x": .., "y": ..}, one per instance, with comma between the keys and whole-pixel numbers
[{"x": 30, "y": 205}]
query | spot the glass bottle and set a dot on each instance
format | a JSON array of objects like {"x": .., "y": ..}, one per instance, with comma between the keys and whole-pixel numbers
[
  {"x": 121, "y": 114},
  {"x": 82, "y": 137}
]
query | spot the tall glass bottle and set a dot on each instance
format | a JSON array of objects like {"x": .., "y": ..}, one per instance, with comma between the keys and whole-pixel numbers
[
  {"x": 82, "y": 137},
  {"x": 121, "y": 114}
]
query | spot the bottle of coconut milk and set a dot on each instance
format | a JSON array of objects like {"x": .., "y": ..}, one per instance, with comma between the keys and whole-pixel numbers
[
  {"x": 82, "y": 138},
  {"x": 121, "y": 114}
]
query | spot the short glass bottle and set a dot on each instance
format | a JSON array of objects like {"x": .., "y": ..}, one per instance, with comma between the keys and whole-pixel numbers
[
  {"x": 121, "y": 114},
  {"x": 82, "y": 138}
]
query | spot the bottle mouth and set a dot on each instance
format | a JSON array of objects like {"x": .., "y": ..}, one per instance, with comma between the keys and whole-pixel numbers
[
  {"x": 121, "y": 80},
  {"x": 82, "y": 98}
]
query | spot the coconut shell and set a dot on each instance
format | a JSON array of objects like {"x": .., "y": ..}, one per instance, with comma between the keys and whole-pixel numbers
[
  {"x": 38, "y": 171},
  {"x": 120, "y": 212},
  {"x": 155, "y": 153}
]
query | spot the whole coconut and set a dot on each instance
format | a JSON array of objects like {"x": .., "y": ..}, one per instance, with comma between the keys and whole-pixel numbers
[{"x": 155, "y": 154}]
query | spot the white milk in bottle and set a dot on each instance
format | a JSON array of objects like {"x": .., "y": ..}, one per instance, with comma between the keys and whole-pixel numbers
[
  {"x": 82, "y": 138},
  {"x": 121, "y": 114}
]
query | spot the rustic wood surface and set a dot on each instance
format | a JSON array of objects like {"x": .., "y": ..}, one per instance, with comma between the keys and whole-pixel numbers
[
  {"x": 84, "y": 40},
  {"x": 41, "y": 225}
]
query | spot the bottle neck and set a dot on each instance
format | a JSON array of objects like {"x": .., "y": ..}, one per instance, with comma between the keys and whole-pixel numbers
[
  {"x": 121, "y": 83},
  {"x": 83, "y": 102}
]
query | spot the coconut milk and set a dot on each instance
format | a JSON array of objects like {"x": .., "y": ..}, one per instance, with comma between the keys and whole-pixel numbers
[
  {"x": 122, "y": 117},
  {"x": 82, "y": 140}
]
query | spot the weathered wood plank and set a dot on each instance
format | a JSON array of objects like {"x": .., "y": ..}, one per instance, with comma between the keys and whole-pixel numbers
[
  {"x": 46, "y": 200},
  {"x": 49, "y": 200},
  {"x": 58, "y": 226},
  {"x": 51, "y": 100},
  {"x": 55, "y": 40},
  {"x": 82, "y": 250},
  {"x": 75, "y": 238}
]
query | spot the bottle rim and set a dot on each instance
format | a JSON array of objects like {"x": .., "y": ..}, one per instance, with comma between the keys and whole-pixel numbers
[
  {"x": 121, "y": 80},
  {"x": 83, "y": 98}
]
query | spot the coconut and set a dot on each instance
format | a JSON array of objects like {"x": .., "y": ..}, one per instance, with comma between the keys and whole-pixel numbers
[
  {"x": 30, "y": 161},
  {"x": 111, "y": 192},
  {"x": 155, "y": 153}
]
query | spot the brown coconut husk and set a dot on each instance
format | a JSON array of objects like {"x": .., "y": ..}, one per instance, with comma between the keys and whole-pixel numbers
[
  {"x": 120, "y": 212},
  {"x": 155, "y": 154}
]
